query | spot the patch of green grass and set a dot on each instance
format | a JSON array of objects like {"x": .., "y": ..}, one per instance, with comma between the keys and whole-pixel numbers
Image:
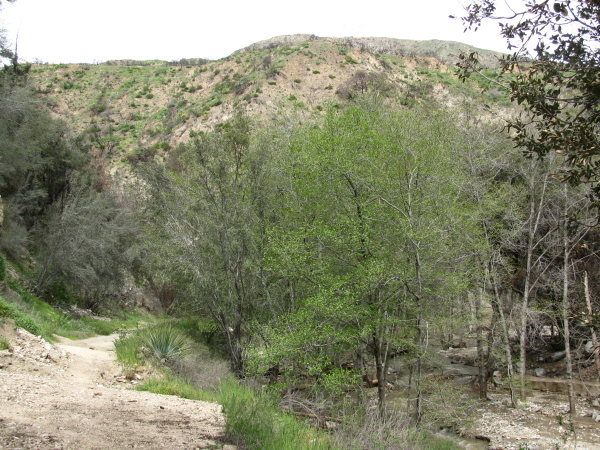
[
  {"x": 39, "y": 318},
  {"x": 169, "y": 384},
  {"x": 21, "y": 319},
  {"x": 253, "y": 421},
  {"x": 4, "y": 343},
  {"x": 128, "y": 350}
]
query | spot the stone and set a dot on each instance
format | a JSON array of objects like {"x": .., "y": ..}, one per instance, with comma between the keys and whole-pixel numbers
[
  {"x": 588, "y": 347},
  {"x": 556, "y": 356},
  {"x": 540, "y": 372}
]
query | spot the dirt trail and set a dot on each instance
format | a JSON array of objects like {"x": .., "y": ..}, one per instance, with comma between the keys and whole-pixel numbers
[{"x": 70, "y": 396}]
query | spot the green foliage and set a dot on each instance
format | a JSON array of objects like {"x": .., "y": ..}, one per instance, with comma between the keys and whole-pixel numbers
[
  {"x": 209, "y": 223},
  {"x": 49, "y": 321},
  {"x": 164, "y": 342},
  {"x": 168, "y": 384},
  {"x": 128, "y": 350},
  {"x": 353, "y": 247},
  {"x": 558, "y": 88},
  {"x": 21, "y": 319},
  {"x": 252, "y": 420},
  {"x": 4, "y": 343}
]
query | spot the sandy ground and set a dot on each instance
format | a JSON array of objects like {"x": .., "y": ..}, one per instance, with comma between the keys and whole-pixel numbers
[{"x": 70, "y": 395}]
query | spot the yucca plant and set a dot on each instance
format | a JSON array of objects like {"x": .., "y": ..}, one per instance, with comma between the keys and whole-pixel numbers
[{"x": 166, "y": 343}]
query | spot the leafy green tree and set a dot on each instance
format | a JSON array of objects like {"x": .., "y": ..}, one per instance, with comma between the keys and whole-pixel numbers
[
  {"x": 557, "y": 85},
  {"x": 210, "y": 230},
  {"x": 371, "y": 225}
]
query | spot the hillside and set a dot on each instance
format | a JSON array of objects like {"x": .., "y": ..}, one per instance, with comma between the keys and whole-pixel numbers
[{"x": 131, "y": 111}]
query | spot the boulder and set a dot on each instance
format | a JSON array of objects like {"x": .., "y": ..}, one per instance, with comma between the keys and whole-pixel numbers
[{"x": 556, "y": 356}]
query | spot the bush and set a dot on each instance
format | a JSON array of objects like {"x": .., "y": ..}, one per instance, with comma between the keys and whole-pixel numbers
[
  {"x": 165, "y": 343},
  {"x": 162, "y": 343}
]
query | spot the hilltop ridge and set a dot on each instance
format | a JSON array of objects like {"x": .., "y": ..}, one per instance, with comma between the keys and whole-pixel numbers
[{"x": 445, "y": 51}]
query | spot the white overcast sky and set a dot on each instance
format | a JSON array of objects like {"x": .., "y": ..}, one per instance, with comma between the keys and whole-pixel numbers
[{"x": 71, "y": 31}]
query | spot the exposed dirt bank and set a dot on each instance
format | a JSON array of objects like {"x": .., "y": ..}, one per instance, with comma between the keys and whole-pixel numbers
[{"x": 70, "y": 396}]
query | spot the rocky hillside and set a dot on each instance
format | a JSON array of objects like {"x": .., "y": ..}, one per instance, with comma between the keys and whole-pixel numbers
[{"x": 131, "y": 111}]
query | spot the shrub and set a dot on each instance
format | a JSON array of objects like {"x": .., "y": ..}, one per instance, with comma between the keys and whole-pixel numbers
[
  {"x": 316, "y": 72},
  {"x": 166, "y": 343},
  {"x": 4, "y": 343},
  {"x": 297, "y": 80}
]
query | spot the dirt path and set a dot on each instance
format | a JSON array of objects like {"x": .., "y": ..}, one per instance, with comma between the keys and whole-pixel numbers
[{"x": 70, "y": 396}]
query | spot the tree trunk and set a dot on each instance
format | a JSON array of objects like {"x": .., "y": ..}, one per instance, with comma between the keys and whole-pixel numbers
[
  {"x": 506, "y": 335},
  {"x": 535, "y": 212},
  {"x": 594, "y": 338},
  {"x": 565, "y": 308},
  {"x": 360, "y": 370},
  {"x": 381, "y": 356},
  {"x": 480, "y": 351}
]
